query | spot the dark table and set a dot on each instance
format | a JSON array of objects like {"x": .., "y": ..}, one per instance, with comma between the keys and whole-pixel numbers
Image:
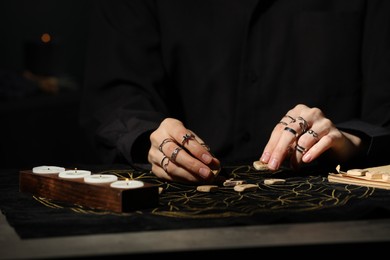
[{"x": 305, "y": 214}]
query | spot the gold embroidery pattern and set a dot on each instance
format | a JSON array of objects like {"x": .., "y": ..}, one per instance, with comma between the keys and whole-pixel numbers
[{"x": 297, "y": 193}]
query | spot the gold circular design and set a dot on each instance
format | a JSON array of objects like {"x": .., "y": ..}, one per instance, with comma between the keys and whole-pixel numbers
[{"x": 296, "y": 194}]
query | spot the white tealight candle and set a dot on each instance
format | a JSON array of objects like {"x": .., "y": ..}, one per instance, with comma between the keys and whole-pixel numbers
[
  {"x": 47, "y": 169},
  {"x": 127, "y": 184},
  {"x": 74, "y": 174},
  {"x": 100, "y": 178}
]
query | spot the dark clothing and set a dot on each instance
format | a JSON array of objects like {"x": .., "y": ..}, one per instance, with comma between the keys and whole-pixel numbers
[{"x": 231, "y": 69}]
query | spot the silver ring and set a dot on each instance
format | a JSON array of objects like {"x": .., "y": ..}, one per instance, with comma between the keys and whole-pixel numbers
[
  {"x": 300, "y": 149},
  {"x": 290, "y": 130},
  {"x": 292, "y": 119},
  {"x": 174, "y": 154},
  {"x": 166, "y": 140},
  {"x": 303, "y": 124},
  {"x": 164, "y": 165},
  {"x": 187, "y": 137},
  {"x": 314, "y": 134},
  {"x": 205, "y": 146}
]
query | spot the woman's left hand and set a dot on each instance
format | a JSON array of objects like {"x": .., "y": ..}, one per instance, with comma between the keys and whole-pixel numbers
[{"x": 303, "y": 135}]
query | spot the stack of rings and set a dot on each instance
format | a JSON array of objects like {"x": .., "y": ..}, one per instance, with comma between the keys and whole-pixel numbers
[
  {"x": 172, "y": 158},
  {"x": 302, "y": 124}
]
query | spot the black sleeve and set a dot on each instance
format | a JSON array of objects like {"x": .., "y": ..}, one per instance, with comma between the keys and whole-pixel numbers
[
  {"x": 122, "y": 102},
  {"x": 374, "y": 124},
  {"x": 376, "y": 140}
]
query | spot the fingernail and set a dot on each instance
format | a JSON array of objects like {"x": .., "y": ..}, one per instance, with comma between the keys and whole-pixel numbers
[
  {"x": 273, "y": 165},
  {"x": 206, "y": 158},
  {"x": 307, "y": 158},
  {"x": 204, "y": 172},
  {"x": 265, "y": 157}
]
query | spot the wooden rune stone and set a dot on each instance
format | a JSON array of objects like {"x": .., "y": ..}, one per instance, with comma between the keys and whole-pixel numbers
[{"x": 92, "y": 195}]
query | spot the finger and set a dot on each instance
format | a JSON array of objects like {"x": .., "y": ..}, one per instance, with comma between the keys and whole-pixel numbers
[
  {"x": 299, "y": 120},
  {"x": 304, "y": 144},
  {"x": 286, "y": 123},
  {"x": 280, "y": 144},
  {"x": 200, "y": 148},
  {"x": 325, "y": 143},
  {"x": 273, "y": 140},
  {"x": 196, "y": 148},
  {"x": 163, "y": 168},
  {"x": 305, "y": 147},
  {"x": 164, "y": 142},
  {"x": 176, "y": 174},
  {"x": 159, "y": 164},
  {"x": 174, "y": 129},
  {"x": 287, "y": 138},
  {"x": 319, "y": 148},
  {"x": 214, "y": 164},
  {"x": 182, "y": 159}
]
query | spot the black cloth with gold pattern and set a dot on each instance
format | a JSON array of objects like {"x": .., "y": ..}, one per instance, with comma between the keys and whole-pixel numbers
[{"x": 306, "y": 196}]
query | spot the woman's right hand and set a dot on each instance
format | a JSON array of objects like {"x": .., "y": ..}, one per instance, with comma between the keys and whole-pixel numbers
[{"x": 178, "y": 154}]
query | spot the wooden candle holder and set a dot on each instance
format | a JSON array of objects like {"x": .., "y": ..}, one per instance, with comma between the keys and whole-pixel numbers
[{"x": 97, "y": 196}]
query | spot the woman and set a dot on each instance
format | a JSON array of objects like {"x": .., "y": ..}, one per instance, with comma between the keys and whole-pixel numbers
[{"x": 275, "y": 81}]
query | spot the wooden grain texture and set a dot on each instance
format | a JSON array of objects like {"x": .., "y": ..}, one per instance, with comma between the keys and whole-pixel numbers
[
  {"x": 344, "y": 178},
  {"x": 96, "y": 196}
]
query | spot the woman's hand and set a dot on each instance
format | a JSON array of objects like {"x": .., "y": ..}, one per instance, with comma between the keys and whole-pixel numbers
[
  {"x": 178, "y": 154},
  {"x": 303, "y": 134}
]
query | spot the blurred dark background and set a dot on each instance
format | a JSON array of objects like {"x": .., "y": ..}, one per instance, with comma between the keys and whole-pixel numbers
[{"x": 42, "y": 49}]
